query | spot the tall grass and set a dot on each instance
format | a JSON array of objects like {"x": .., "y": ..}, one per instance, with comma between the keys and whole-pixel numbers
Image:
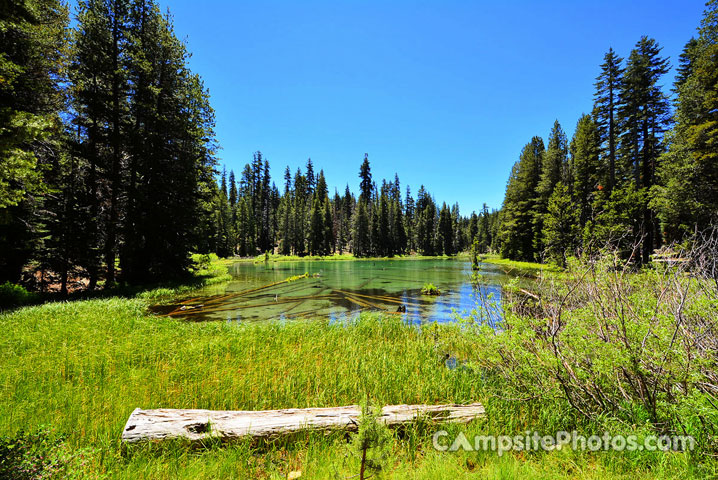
[{"x": 83, "y": 366}]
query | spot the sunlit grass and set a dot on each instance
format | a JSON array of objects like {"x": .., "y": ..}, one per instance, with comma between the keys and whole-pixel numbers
[
  {"x": 514, "y": 267},
  {"x": 83, "y": 366}
]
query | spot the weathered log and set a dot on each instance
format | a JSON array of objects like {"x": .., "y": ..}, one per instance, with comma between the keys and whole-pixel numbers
[{"x": 198, "y": 425}]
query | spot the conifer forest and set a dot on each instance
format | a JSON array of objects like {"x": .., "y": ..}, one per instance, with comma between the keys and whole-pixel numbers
[
  {"x": 110, "y": 168},
  {"x": 186, "y": 294}
]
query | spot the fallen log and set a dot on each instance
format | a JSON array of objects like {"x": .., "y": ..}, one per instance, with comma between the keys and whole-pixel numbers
[{"x": 198, "y": 425}]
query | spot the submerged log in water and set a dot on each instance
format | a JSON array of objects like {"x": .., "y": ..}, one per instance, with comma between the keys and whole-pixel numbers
[{"x": 198, "y": 425}]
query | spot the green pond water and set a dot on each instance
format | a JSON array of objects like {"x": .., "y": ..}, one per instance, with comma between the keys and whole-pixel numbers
[{"x": 341, "y": 289}]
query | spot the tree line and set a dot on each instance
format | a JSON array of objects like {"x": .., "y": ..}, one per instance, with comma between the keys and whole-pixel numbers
[
  {"x": 252, "y": 216},
  {"x": 637, "y": 173},
  {"x": 109, "y": 168},
  {"x": 107, "y": 145}
]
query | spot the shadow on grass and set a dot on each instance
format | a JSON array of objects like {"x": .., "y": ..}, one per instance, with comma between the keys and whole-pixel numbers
[{"x": 13, "y": 297}]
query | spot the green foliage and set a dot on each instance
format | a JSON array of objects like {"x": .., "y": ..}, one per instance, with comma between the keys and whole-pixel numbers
[
  {"x": 31, "y": 63},
  {"x": 618, "y": 220},
  {"x": 475, "y": 250},
  {"x": 430, "y": 289},
  {"x": 686, "y": 198},
  {"x": 561, "y": 230},
  {"x": 446, "y": 230},
  {"x": 605, "y": 113},
  {"x": 517, "y": 229},
  {"x": 371, "y": 443},
  {"x": 586, "y": 167},
  {"x": 554, "y": 169},
  {"x": 12, "y": 295},
  {"x": 41, "y": 454},
  {"x": 33, "y": 35},
  {"x": 607, "y": 349}
]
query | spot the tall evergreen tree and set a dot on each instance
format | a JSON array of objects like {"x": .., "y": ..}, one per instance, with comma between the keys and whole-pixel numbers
[
  {"x": 316, "y": 228},
  {"x": 287, "y": 232},
  {"x": 32, "y": 63},
  {"x": 554, "y": 169},
  {"x": 425, "y": 223},
  {"x": 585, "y": 166},
  {"x": 644, "y": 117},
  {"x": 299, "y": 213},
  {"x": 409, "y": 221},
  {"x": 446, "y": 231},
  {"x": 605, "y": 109},
  {"x": 485, "y": 234},
  {"x": 687, "y": 198},
  {"x": 365, "y": 187},
  {"x": 361, "y": 242},
  {"x": 516, "y": 237}
]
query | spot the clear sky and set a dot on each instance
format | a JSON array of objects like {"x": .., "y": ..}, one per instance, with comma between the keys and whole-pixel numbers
[{"x": 445, "y": 93}]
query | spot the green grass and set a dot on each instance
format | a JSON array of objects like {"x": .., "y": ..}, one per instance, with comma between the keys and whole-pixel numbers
[
  {"x": 83, "y": 366},
  {"x": 513, "y": 267},
  {"x": 276, "y": 258}
]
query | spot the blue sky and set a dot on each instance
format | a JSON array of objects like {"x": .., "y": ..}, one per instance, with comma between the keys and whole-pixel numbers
[{"x": 445, "y": 93}]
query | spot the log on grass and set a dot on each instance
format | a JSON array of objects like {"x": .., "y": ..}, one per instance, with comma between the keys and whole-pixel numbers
[{"x": 199, "y": 425}]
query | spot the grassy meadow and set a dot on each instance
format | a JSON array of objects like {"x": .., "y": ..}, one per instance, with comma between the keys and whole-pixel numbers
[{"x": 79, "y": 368}]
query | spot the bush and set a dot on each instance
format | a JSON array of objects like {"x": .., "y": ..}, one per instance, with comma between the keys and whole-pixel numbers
[
  {"x": 12, "y": 295},
  {"x": 602, "y": 347},
  {"x": 430, "y": 289},
  {"x": 39, "y": 455}
]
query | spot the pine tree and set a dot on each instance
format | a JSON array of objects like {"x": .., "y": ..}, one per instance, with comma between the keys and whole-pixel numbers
[
  {"x": 687, "y": 198},
  {"x": 425, "y": 223},
  {"x": 232, "y": 189},
  {"x": 32, "y": 63},
  {"x": 517, "y": 232},
  {"x": 286, "y": 209},
  {"x": 328, "y": 237},
  {"x": 446, "y": 230},
  {"x": 473, "y": 227},
  {"x": 605, "y": 108},
  {"x": 361, "y": 242},
  {"x": 400, "y": 237},
  {"x": 561, "y": 230},
  {"x": 299, "y": 213},
  {"x": 119, "y": 86},
  {"x": 554, "y": 169},
  {"x": 619, "y": 220},
  {"x": 485, "y": 232},
  {"x": 321, "y": 189},
  {"x": 316, "y": 228},
  {"x": 349, "y": 205},
  {"x": 365, "y": 187},
  {"x": 585, "y": 165},
  {"x": 265, "y": 240},
  {"x": 644, "y": 117},
  {"x": 311, "y": 181},
  {"x": 383, "y": 243},
  {"x": 409, "y": 221}
]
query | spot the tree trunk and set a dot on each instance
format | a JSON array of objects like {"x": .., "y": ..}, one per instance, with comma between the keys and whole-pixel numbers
[{"x": 199, "y": 425}]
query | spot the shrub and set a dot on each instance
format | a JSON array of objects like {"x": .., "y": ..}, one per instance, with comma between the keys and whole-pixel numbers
[
  {"x": 12, "y": 295},
  {"x": 40, "y": 455},
  {"x": 371, "y": 442},
  {"x": 612, "y": 347},
  {"x": 430, "y": 289}
]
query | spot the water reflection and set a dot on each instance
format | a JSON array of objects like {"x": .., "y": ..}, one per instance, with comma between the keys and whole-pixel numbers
[{"x": 341, "y": 290}]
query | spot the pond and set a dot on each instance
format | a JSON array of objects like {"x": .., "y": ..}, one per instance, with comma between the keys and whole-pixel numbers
[{"x": 338, "y": 290}]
